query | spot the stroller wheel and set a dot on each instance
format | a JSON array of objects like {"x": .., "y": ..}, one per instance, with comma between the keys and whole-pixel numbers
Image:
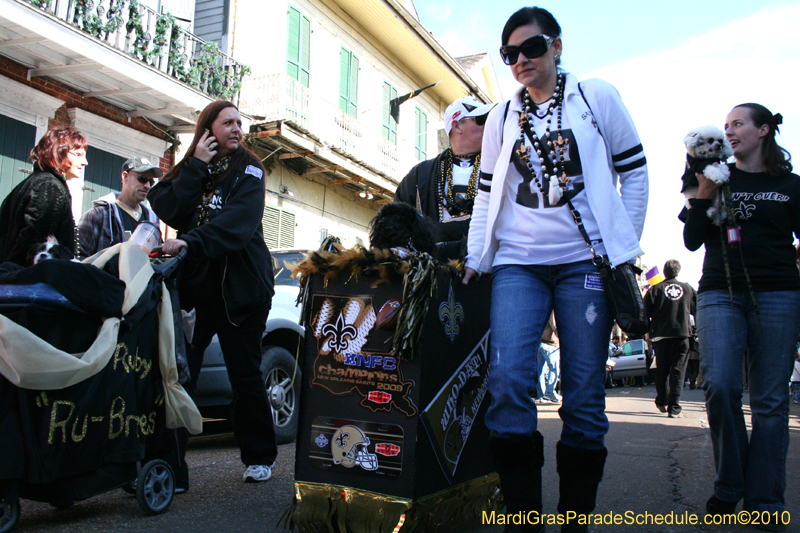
[
  {"x": 155, "y": 487},
  {"x": 9, "y": 514}
]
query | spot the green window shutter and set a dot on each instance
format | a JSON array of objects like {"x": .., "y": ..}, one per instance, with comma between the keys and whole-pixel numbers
[
  {"x": 103, "y": 176},
  {"x": 16, "y": 139},
  {"x": 353, "y": 110},
  {"x": 298, "y": 60},
  {"x": 305, "y": 51},
  {"x": 293, "y": 47},
  {"x": 348, "y": 82},
  {"x": 421, "y": 135},
  {"x": 389, "y": 123},
  {"x": 344, "y": 79}
]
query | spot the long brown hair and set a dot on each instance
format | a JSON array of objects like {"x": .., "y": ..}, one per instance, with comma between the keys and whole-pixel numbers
[
  {"x": 51, "y": 150},
  {"x": 777, "y": 160},
  {"x": 204, "y": 122}
]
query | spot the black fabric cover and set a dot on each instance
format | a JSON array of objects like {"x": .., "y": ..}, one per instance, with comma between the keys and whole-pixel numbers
[
  {"x": 65, "y": 445},
  {"x": 91, "y": 290}
]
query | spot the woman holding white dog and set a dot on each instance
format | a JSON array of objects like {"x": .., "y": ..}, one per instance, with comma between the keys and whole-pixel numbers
[
  {"x": 556, "y": 145},
  {"x": 749, "y": 301}
]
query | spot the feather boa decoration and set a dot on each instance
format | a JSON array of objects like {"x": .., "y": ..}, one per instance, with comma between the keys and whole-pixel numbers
[{"x": 416, "y": 272}]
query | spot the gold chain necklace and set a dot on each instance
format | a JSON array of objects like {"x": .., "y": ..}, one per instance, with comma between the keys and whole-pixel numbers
[{"x": 447, "y": 199}]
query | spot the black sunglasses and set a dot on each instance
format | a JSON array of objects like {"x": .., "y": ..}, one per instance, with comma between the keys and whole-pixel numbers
[
  {"x": 536, "y": 46},
  {"x": 144, "y": 179},
  {"x": 480, "y": 121}
]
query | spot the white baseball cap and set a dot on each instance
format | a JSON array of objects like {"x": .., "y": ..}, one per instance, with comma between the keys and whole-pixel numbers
[{"x": 469, "y": 106}]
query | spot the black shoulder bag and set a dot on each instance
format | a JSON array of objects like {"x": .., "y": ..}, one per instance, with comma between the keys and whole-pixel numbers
[
  {"x": 620, "y": 285},
  {"x": 621, "y": 288}
]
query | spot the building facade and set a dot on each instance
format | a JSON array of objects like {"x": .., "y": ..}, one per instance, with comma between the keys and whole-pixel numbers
[
  {"x": 326, "y": 96},
  {"x": 124, "y": 72},
  {"x": 330, "y": 95}
]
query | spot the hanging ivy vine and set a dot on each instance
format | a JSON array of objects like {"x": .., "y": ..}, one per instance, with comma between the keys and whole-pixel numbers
[{"x": 205, "y": 71}]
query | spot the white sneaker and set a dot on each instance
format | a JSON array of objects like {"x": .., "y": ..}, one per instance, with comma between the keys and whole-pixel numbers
[{"x": 257, "y": 473}]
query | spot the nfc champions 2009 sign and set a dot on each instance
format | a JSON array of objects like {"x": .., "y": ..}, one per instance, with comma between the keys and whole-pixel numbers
[{"x": 343, "y": 326}]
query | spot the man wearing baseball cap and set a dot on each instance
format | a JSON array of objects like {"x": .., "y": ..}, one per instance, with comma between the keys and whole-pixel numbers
[
  {"x": 443, "y": 188},
  {"x": 115, "y": 216}
]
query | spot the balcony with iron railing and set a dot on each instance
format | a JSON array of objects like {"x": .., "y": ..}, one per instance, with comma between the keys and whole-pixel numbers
[
  {"x": 153, "y": 38},
  {"x": 279, "y": 97}
]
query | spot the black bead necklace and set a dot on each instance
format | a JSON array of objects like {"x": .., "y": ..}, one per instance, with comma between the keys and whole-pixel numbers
[{"x": 555, "y": 150}]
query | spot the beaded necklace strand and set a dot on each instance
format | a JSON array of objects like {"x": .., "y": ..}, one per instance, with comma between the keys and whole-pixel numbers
[
  {"x": 555, "y": 149},
  {"x": 446, "y": 194}
]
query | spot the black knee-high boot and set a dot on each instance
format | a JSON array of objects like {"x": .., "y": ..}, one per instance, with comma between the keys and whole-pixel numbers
[
  {"x": 519, "y": 462},
  {"x": 579, "y": 473}
]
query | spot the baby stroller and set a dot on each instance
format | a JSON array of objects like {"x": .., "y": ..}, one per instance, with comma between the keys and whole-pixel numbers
[{"x": 88, "y": 381}]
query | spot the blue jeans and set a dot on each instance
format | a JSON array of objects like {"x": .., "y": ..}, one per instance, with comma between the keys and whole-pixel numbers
[
  {"x": 547, "y": 366},
  {"x": 522, "y": 298},
  {"x": 756, "y": 469}
]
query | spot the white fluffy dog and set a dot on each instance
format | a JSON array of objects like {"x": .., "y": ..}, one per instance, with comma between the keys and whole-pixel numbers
[{"x": 707, "y": 151}]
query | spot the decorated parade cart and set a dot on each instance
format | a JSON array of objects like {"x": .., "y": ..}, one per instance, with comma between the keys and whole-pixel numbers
[
  {"x": 391, "y": 434},
  {"x": 88, "y": 381}
]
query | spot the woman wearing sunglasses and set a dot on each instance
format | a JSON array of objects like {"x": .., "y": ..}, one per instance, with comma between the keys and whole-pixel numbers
[
  {"x": 558, "y": 147},
  {"x": 41, "y": 205},
  {"x": 115, "y": 213},
  {"x": 748, "y": 302}
]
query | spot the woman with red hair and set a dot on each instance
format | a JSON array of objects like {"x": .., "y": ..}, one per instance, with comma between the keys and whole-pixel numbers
[{"x": 41, "y": 204}]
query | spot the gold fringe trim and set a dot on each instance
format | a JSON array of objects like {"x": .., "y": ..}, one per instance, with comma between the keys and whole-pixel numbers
[{"x": 319, "y": 506}]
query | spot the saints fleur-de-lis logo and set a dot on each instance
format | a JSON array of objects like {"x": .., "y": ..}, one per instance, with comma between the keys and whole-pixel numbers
[
  {"x": 450, "y": 312},
  {"x": 339, "y": 332},
  {"x": 341, "y": 440},
  {"x": 744, "y": 211}
]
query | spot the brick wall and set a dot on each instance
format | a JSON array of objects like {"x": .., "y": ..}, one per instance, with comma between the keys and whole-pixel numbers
[{"x": 72, "y": 98}]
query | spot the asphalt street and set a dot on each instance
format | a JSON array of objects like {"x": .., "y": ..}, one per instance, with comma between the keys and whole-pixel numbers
[{"x": 656, "y": 465}]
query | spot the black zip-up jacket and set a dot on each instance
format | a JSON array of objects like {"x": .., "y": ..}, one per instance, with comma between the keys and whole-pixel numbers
[
  {"x": 669, "y": 305},
  {"x": 38, "y": 207},
  {"x": 767, "y": 208},
  {"x": 227, "y": 256}
]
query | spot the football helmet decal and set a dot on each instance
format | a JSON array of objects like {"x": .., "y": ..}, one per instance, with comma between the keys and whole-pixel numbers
[{"x": 349, "y": 448}]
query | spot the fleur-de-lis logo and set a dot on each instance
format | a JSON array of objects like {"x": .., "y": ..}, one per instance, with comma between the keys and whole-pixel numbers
[
  {"x": 744, "y": 211},
  {"x": 339, "y": 334},
  {"x": 341, "y": 440},
  {"x": 450, "y": 312}
]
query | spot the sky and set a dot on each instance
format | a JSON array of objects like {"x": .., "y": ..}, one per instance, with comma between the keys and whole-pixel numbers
[{"x": 677, "y": 65}]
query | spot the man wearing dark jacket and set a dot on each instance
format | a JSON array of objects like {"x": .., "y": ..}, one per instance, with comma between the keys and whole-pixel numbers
[
  {"x": 115, "y": 213},
  {"x": 444, "y": 188},
  {"x": 670, "y": 304}
]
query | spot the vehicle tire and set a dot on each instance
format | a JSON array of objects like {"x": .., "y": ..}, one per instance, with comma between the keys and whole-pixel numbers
[
  {"x": 9, "y": 514},
  {"x": 155, "y": 487},
  {"x": 277, "y": 370}
]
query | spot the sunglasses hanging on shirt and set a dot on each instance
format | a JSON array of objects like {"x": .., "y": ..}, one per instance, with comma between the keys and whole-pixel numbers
[{"x": 534, "y": 47}]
